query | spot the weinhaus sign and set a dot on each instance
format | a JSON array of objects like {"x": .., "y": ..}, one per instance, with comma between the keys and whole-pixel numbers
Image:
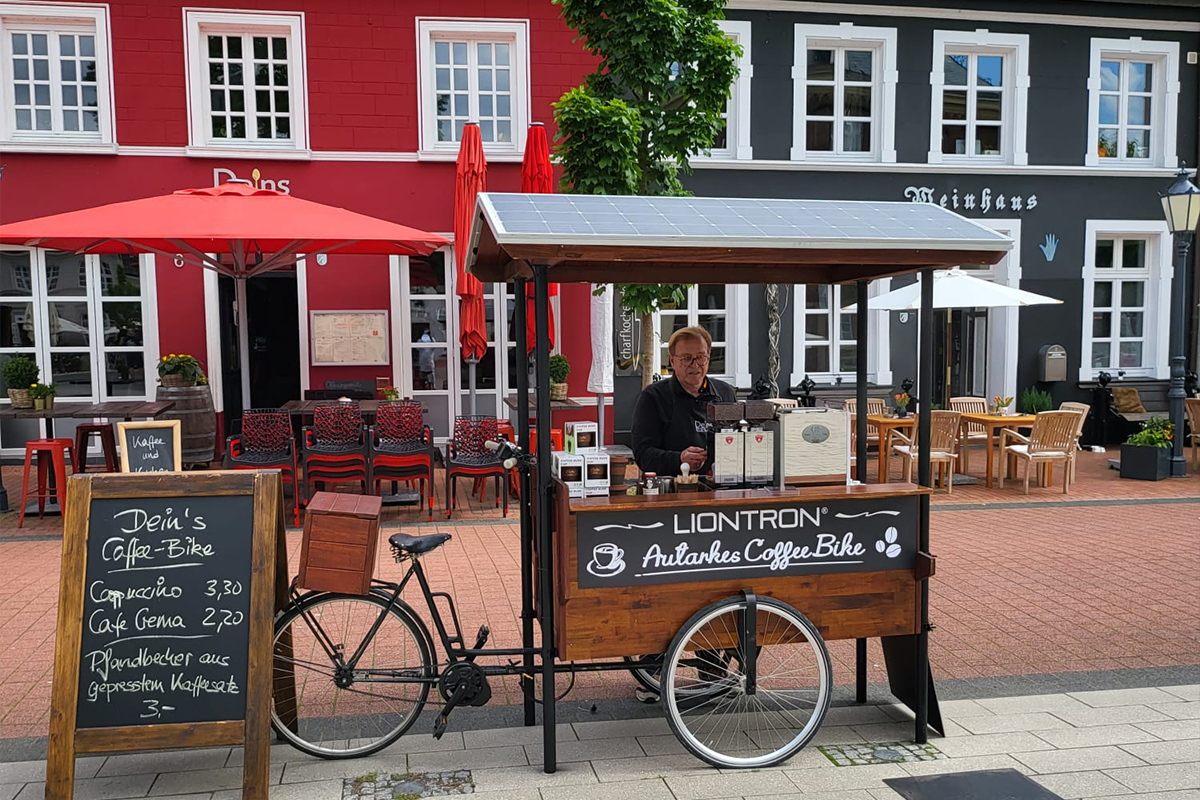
[
  {"x": 680, "y": 544},
  {"x": 984, "y": 201}
]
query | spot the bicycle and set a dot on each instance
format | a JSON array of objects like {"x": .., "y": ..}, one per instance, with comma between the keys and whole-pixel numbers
[{"x": 353, "y": 672}]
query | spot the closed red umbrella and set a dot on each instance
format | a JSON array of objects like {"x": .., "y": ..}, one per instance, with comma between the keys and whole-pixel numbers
[
  {"x": 469, "y": 179},
  {"x": 537, "y": 177}
]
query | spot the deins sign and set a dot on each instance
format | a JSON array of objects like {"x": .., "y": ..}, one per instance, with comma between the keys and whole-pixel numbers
[{"x": 680, "y": 544}]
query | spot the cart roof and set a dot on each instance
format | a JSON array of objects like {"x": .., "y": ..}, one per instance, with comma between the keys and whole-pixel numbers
[{"x": 632, "y": 239}]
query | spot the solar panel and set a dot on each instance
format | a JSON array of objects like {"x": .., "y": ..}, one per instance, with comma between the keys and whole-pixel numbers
[{"x": 730, "y": 222}]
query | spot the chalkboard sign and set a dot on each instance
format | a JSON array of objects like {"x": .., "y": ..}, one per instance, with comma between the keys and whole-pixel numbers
[
  {"x": 669, "y": 544},
  {"x": 150, "y": 446},
  {"x": 168, "y": 589}
]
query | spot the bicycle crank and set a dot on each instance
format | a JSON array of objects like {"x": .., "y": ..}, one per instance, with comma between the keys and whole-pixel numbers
[{"x": 461, "y": 684}]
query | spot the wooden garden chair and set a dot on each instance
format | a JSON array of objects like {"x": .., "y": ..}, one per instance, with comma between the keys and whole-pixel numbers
[
  {"x": 972, "y": 432},
  {"x": 875, "y": 405},
  {"x": 1052, "y": 439},
  {"x": 943, "y": 446},
  {"x": 1191, "y": 407},
  {"x": 1082, "y": 409}
]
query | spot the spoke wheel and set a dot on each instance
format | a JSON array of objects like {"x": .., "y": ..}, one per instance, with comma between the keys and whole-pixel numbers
[
  {"x": 339, "y": 712},
  {"x": 705, "y": 690}
]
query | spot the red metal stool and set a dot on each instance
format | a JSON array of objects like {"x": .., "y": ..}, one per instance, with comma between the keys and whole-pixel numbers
[
  {"x": 108, "y": 443},
  {"x": 556, "y": 439},
  {"x": 56, "y": 450}
]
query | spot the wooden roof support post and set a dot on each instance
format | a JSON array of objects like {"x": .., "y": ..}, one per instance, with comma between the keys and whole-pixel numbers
[
  {"x": 924, "y": 435},
  {"x": 541, "y": 312},
  {"x": 520, "y": 321},
  {"x": 860, "y": 451}
]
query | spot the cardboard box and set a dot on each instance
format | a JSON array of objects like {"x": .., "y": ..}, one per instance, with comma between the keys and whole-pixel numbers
[
  {"x": 596, "y": 481},
  {"x": 760, "y": 457},
  {"x": 581, "y": 437},
  {"x": 568, "y": 468},
  {"x": 728, "y": 457}
]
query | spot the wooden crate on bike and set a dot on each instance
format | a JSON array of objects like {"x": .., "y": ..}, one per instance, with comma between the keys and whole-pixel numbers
[{"x": 341, "y": 535}]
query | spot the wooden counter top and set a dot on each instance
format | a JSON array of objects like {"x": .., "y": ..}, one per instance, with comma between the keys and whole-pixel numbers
[{"x": 798, "y": 494}]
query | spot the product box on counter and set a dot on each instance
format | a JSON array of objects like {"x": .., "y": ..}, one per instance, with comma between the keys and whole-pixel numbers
[
  {"x": 568, "y": 468},
  {"x": 581, "y": 437},
  {"x": 728, "y": 457},
  {"x": 760, "y": 457},
  {"x": 596, "y": 481}
]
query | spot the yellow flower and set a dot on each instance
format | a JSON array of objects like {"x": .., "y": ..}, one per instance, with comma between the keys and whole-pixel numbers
[{"x": 33, "y": 386}]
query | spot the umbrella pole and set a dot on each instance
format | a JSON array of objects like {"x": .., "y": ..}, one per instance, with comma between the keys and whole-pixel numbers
[
  {"x": 471, "y": 362},
  {"x": 541, "y": 310},
  {"x": 520, "y": 314},
  {"x": 600, "y": 413}
]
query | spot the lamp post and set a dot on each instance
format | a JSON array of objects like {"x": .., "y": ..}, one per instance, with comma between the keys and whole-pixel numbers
[{"x": 1181, "y": 207}]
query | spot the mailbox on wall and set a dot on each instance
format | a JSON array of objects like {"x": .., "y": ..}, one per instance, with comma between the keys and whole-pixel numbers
[{"x": 1052, "y": 363}]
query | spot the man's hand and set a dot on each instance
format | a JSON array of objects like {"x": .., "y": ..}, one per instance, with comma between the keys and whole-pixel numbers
[{"x": 694, "y": 457}]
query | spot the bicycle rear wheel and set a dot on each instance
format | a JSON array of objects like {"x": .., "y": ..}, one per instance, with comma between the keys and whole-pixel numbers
[
  {"x": 325, "y": 708},
  {"x": 706, "y": 693}
]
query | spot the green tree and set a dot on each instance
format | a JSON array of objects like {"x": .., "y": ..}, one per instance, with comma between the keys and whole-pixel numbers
[{"x": 654, "y": 101}]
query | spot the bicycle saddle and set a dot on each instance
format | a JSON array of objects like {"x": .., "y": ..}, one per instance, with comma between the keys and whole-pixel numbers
[{"x": 418, "y": 544}]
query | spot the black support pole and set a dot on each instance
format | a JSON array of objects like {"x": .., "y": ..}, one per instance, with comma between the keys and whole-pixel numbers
[
  {"x": 541, "y": 313},
  {"x": 860, "y": 454},
  {"x": 924, "y": 422},
  {"x": 527, "y": 665}
]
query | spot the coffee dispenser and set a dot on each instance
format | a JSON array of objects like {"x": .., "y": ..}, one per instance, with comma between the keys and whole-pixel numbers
[{"x": 726, "y": 443}]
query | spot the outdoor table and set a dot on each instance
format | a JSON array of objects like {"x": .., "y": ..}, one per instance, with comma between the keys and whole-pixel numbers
[
  {"x": 555, "y": 405},
  {"x": 885, "y": 424},
  {"x": 992, "y": 424}
]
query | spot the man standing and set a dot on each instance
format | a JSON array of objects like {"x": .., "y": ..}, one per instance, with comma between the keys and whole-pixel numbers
[{"x": 669, "y": 424}]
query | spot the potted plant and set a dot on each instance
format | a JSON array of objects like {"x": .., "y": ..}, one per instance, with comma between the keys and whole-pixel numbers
[
  {"x": 43, "y": 395},
  {"x": 902, "y": 400},
  {"x": 560, "y": 368},
  {"x": 20, "y": 372},
  {"x": 179, "y": 370},
  {"x": 1000, "y": 405},
  {"x": 1146, "y": 455},
  {"x": 1035, "y": 401},
  {"x": 390, "y": 393}
]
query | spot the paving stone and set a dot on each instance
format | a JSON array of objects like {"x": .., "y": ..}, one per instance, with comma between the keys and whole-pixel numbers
[
  {"x": 314, "y": 790},
  {"x": 115, "y": 788},
  {"x": 168, "y": 761},
  {"x": 661, "y": 745},
  {"x": 1010, "y": 723},
  {"x": 652, "y": 789},
  {"x": 590, "y": 750},
  {"x": 886, "y": 793},
  {"x": 953, "y": 709},
  {"x": 1184, "y": 794},
  {"x": 424, "y": 743},
  {"x": 844, "y": 778},
  {"x": 280, "y": 754},
  {"x": 968, "y": 764},
  {"x": 507, "y": 778},
  {"x": 507, "y": 737},
  {"x": 1158, "y": 778},
  {"x": 855, "y": 715},
  {"x": 308, "y": 771},
  {"x": 742, "y": 784},
  {"x": 1166, "y": 752},
  {"x": 1117, "y": 715},
  {"x": 1187, "y": 691},
  {"x": 620, "y": 728},
  {"x": 32, "y": 771},
  {"x": 849, "y": 794},
  {"x": 10, "y": 790},
  {"x": 509, "y": 794},
  {"x": 991, "y": 744},
  {"x": 1178, "y": 710},
  {"x": 1123, "y": 697},
  {"x": 477, "y": 758},
  {"x": 1095, "y": 737},
  {"x": 206, "y": 780},
  {"x": 1032, "y": 704},
  {"x": 887, "y": 732},
  {"x": 1079, "y": 759},
  {"x": 1071, "y": 785},
  {"x": 635, "y": 769},
  {"x": 1175, "y": 729}
]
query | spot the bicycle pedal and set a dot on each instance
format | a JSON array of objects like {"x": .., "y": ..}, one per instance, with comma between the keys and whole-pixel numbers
[
  {"x": 482, "y": 637},
  {"x": 439, "y": 726}
]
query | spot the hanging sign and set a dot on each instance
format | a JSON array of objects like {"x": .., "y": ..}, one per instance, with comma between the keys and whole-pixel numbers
[
  {"x": 627, "y": 333},
  {"x": 150, "y": 446}
]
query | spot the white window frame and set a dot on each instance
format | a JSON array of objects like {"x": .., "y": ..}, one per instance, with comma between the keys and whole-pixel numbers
[
  {"x": 1156, "y": 323},
  {"x": 1015, "y": 111},
  {"x": 879, "y": 368},
  {"x": 52, "y": 19},
  {"x": 737, "y": 343},
  {"x": 516, "y": 32},
  {"x": 848, "y": 36},
  {"x": 737, "y": 112},
  {"x": 1164, "y": 105},
  {"x": 197, "y": 24}
]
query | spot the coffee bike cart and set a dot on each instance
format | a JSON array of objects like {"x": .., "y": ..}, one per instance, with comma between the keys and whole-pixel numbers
[{"x": 720, "y": 601}]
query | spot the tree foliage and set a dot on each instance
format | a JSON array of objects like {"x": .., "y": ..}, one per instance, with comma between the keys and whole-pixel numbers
[{"x": 654, "y": 101}]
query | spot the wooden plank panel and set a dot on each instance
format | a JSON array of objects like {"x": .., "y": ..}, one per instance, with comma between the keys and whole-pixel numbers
[{"x": 151, "y": 737}]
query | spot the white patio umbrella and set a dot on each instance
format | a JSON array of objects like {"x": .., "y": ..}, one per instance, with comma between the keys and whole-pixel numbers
[{"x": 600, "y": 377}]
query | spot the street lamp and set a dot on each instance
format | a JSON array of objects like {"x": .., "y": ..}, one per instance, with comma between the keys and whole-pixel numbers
[{"x": 1181, "y": 207}]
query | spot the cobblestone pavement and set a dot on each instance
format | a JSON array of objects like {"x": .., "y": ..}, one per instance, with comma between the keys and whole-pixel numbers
[{"x": 1132, "y": 744}]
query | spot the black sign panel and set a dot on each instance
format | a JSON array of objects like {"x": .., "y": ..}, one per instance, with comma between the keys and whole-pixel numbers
[
  {"x": 710, "y": 543},
  {"x": 166, "y": 611},
  {"x": 149, "y": 449}
]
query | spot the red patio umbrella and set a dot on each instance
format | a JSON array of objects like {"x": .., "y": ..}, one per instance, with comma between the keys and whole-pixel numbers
[
  {"x": 537, "y": 177},
  {"x": 260, "y": 229},
  {"x": 469, "y": 178}
]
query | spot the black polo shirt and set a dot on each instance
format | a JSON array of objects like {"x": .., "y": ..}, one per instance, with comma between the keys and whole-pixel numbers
[{"x": 667, "y": 420}]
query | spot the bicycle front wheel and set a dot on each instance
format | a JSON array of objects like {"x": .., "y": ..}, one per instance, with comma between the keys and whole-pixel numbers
[
  {"x": 714, "y": 709},
  {"x": 329, "y": 708}
]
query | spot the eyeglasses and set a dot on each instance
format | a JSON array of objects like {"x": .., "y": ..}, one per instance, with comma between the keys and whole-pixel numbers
[{"x": 687, "y": 361}]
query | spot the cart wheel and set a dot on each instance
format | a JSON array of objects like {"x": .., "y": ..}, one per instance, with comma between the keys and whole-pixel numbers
[{"x": 728, "y": 720}]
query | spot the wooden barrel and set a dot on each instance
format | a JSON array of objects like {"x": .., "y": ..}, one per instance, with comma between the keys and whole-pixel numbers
[{"x": 198, "y": 422}]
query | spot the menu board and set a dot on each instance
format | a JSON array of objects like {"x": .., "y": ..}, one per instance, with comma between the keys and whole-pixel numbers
[
  {"x": 349, "y": 338},
  {"x": 150, "y": 446},
  {"x": 166, "y": 609}
]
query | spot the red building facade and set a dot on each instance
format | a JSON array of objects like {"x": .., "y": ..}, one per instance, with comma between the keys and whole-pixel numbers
[{"x": 355, "y": 105}]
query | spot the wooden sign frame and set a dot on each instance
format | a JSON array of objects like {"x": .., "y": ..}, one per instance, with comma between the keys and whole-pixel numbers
[
  {"x": 268, "y": 577},
  {"x": 176, "y": 433}
]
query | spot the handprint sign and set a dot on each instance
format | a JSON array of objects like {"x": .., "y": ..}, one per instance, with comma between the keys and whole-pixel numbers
[{"x": 1050, "y": 247}]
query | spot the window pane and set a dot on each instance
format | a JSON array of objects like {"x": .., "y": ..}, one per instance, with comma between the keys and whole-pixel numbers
[
  {"x": 1102, "y": 294},
  {"x": 1101, "y": 325},
  {"x": 990, "y": 71},
  {"x": 710, "y": 295},
  {"x": 816, "y": 327},
  {"x": 847, "y": 358},
  {"x": 819, "y": 136},
  {"x": 1133, "y": 294},
  {"x": 955, "y": 70},
  {"x": 714, "y": 324},
  {"x": 716, "y": 362},
  {"x": 16, "y": 325},
  {"x": 71, "y": 374},
  {"x": 954, "y": 139},
  {"x": 1109, "y": 109},
  {"x": 816, "y": 295},
  {"x": 234, "y": 44},
  {"x": 125, "y": 374},
  {"x": 820, "y": 65},
  {"x": 441, "y": 52},
  {"x": 68, "y": 324},
  {"x": 428, "y": 367},
  {"x": 66, "y": 275},
  {"x": 856, "y": 137},
  {"x": 123, "y": 324},
  {"x": 1139, "y": 111},
  {"x": 1110, "y": 76},
  {"x": 460, "y": 52},
  {"x": 1101, "y": 353},
  {"x": 987, "y": 140},
  {"x": 954, "y": 105},
  {"x": 858, "y": 65},
  {"x": 1137, "y": 145},
  {"x": 857, "y": 101},
  {"x": 260, "y": 47},
  {"x": 816, "y": 359},
  {"x": 1131, "y": 324},
  {"x": 820, "y": 101},
  {"x": 1140, "y": 78},
  {"x": 427, "y": 276},
  {"x": 1104, "y": 253},
  {"x": 846, "y": 326},
  {"x": 987, "y": 106},
  {"x": 669, "y": 323},
  {"x": 16, "y": 274},
  {"x": 1133, "y": 253},
  {"x": 502, "y": 55},
  {"x": 279, "y": 48},
  {"x": 1106, "y": 143},
  {"x": 1131, "y": 354}
]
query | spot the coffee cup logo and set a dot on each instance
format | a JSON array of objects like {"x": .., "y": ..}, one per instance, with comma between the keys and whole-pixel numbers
[{"x": 607, "y": 560}]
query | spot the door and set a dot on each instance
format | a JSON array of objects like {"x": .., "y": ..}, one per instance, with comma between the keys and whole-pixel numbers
[
  {"x": 231, "y": 352},
  {"x": 272, "y": 319},
  {"x": 960, "y": 351}
]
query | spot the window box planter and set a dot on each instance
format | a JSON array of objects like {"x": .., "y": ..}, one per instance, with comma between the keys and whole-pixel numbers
[{"x": 1143, "y": 463}]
